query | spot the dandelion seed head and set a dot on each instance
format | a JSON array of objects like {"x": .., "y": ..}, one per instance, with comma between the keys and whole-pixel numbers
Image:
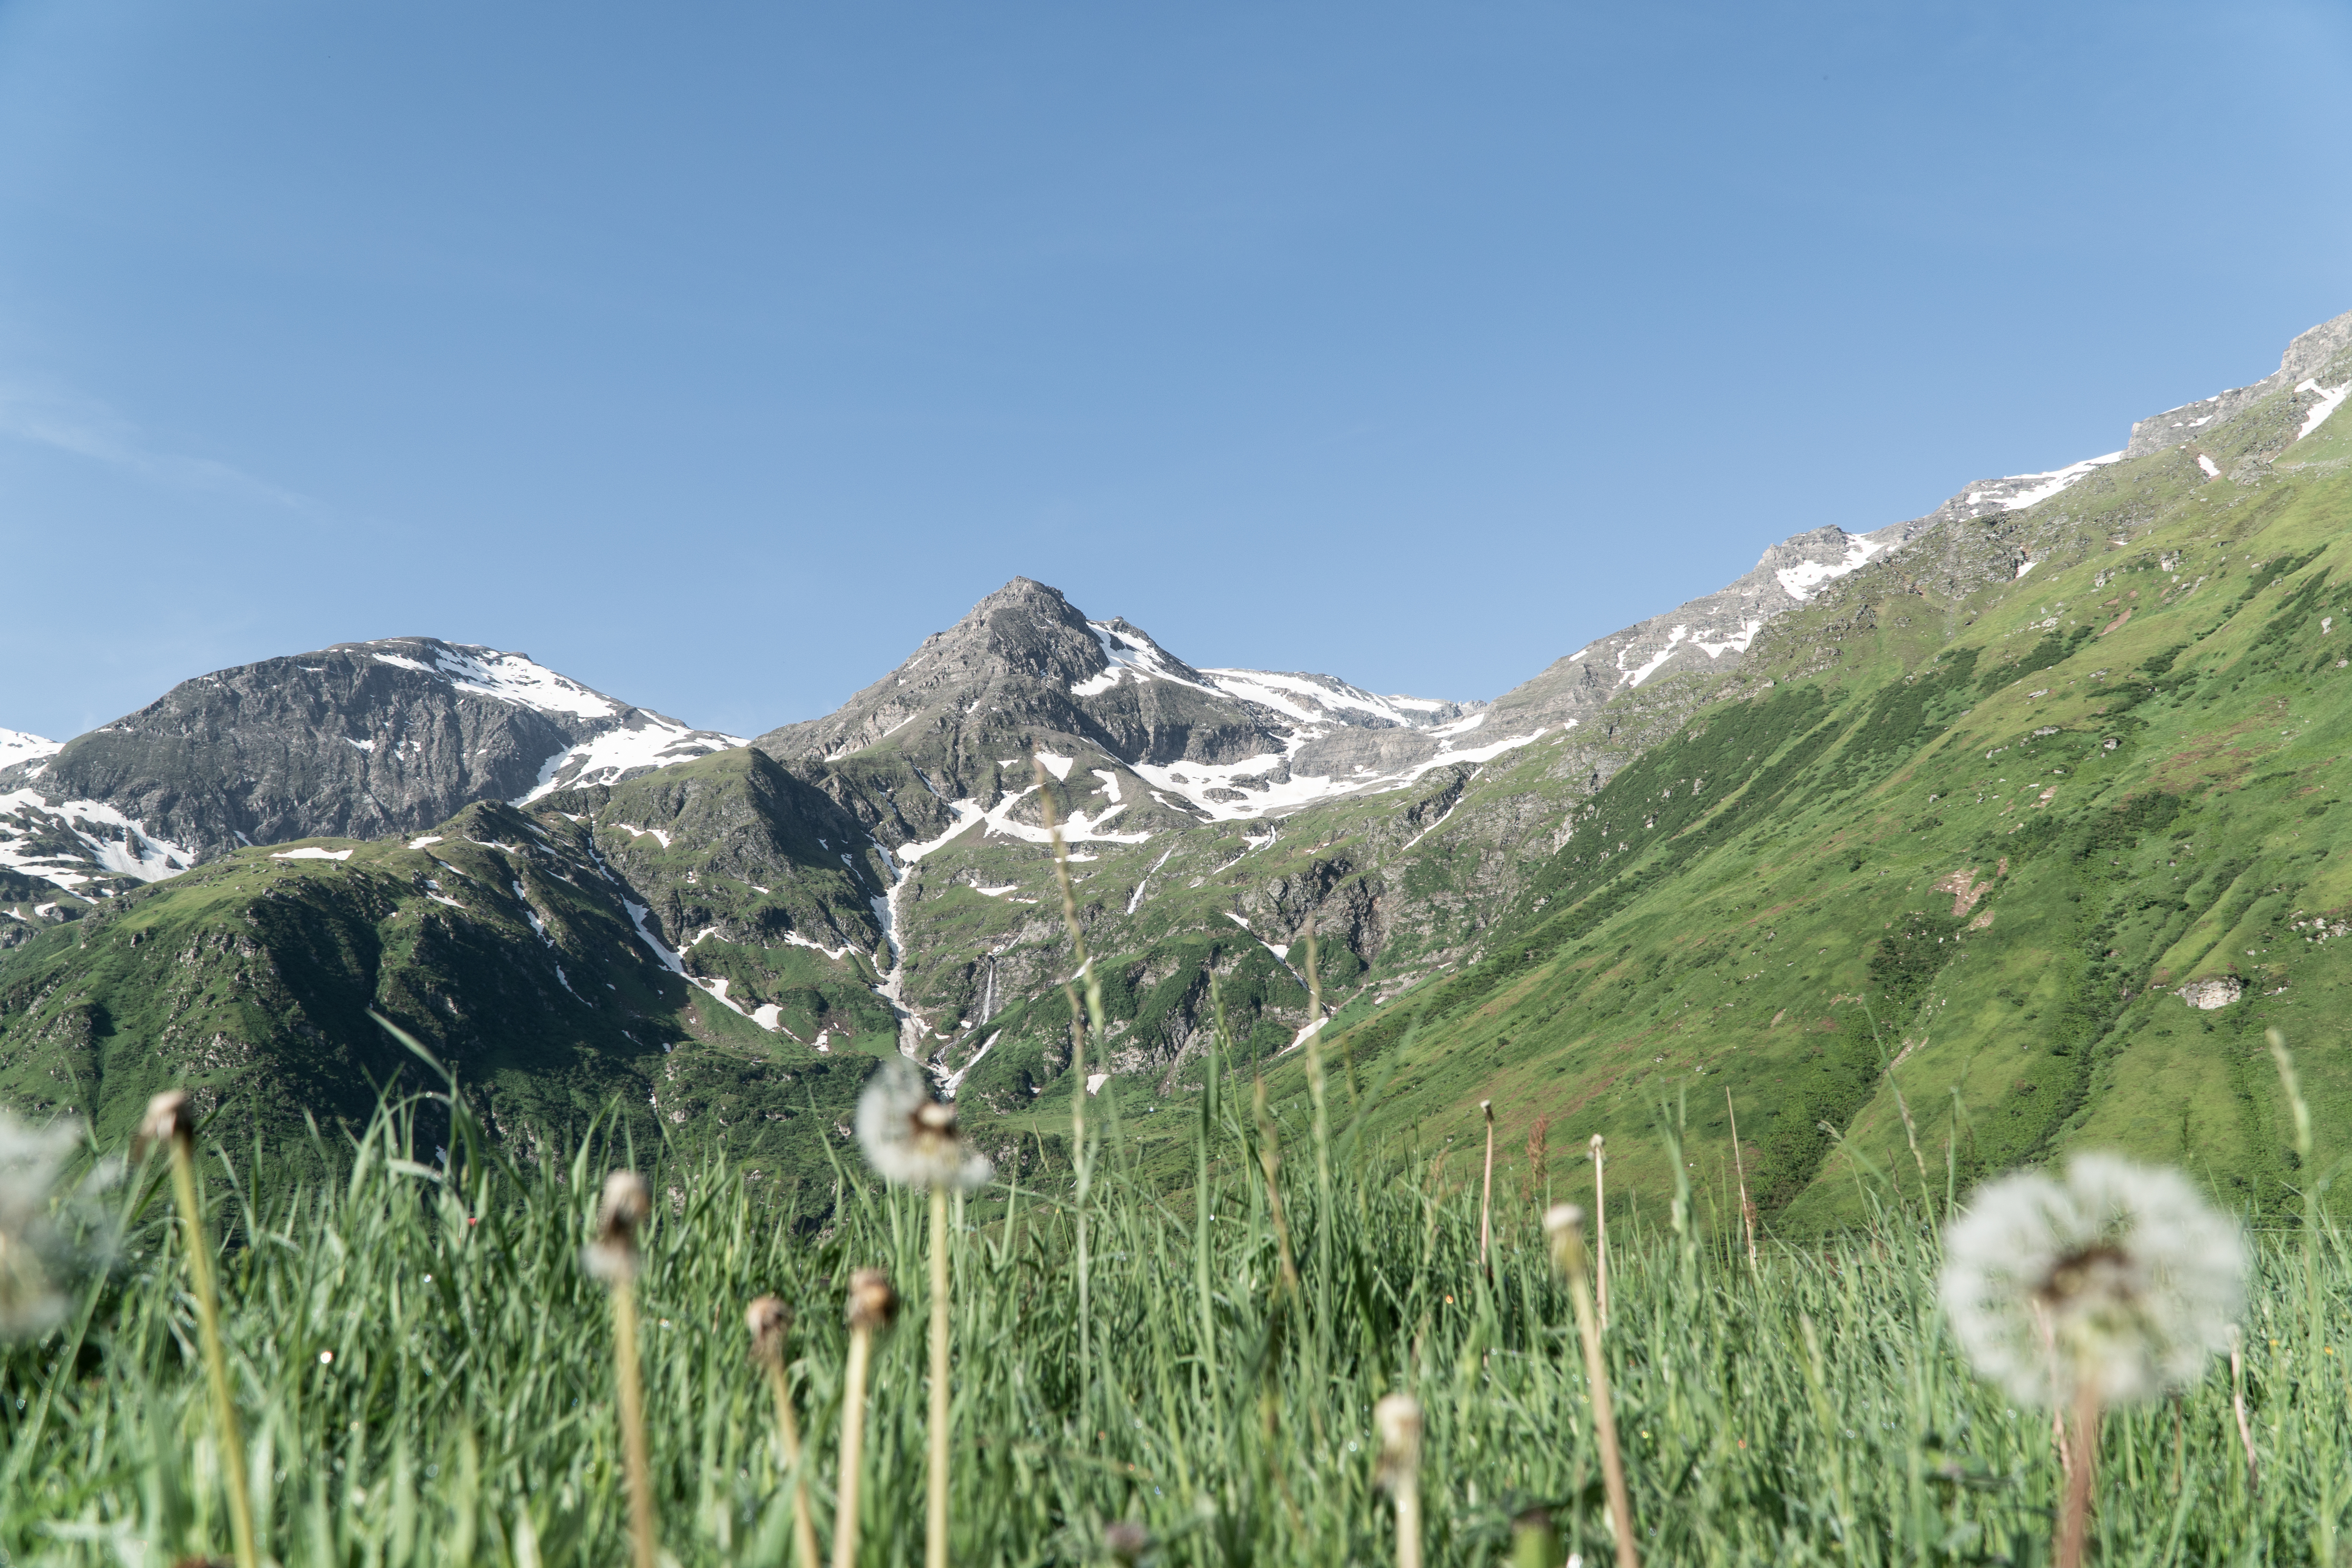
[
  {"x": 625, "y": 1206},
  {"x": 30, "y": 1159},
  {"x": 2121, "y": 1274},
  {"x": 1563, "y": 1227},
  {"x": 168, "y": 1117},
  {"x": 873, "y": 1304},
  {"x": 1126, "y": 1540},
  {"x": 769, "y": 1320},
  {"x": 1396, "y": 1420},
  {"x": 910, "y": 1138}
]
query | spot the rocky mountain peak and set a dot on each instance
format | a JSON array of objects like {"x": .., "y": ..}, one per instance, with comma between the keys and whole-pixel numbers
[
  {"x": 360, "y": 739},
  {"x": 2313, "y": 357}
]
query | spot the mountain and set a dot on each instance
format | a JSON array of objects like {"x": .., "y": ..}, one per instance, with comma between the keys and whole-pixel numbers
[
  {"x": 360, "y": 739},
  {"x": 639, "y": 948},
  {"x": 1778, "y": 838}
]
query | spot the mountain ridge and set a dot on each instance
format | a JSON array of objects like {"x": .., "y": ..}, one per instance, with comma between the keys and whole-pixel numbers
[{"x": 878, "y": 879}]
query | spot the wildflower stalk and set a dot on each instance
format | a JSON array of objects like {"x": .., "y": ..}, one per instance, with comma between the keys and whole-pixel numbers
[
  {"x": 768, "y": 1319},
  {"x": 1539, "y": 1164},
  {"x": 2074, "y": 1524},
  {"x": 1739, "y": 1168},
  {"x": 1601, "y": 1221},
  {"x": 625, "y": 1375},
  {"x": 169, "y": 1120},
  {"x": 2238, "y": 1404},
  {"x": 1564, "y": 1229},
  {"x": 872, "y": 1307},
  {"x": 1397, "y": 1419},
  {"x": 612, "y": 1258},
  {"x": 935, "y": 1523},
  {"x": 1316, "y": 1086},
  {"x": 1486, "y": 1192}
]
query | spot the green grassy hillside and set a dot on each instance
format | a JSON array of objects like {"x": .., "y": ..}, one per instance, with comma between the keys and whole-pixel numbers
[{"x": 1955, "y": 857}]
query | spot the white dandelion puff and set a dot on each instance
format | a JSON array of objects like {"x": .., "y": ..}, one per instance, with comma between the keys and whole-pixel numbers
[
  {"x": 910, "y": 1138},
  {"x": 2120, "y": 1276},
  {"x": 30, "y": 1159}
]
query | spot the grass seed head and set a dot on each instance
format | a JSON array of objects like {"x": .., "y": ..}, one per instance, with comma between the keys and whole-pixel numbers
[
  {"x": 2120, "y": 1274},
  {"x": 910, "y": 1138},
  {"x": 626, "y": 1204},
  {"x": 769, "y": 1321},
  {"x": 873, "y": 1304},
  {"x": 30, "y": 1159},
  {"x": 1396, "y": 1420}
]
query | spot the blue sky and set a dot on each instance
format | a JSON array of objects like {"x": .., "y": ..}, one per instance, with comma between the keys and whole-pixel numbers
[{"x": 715, "y": 355}]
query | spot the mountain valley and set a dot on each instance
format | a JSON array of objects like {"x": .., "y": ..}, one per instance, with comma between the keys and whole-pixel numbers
[{"x": 1925, "y": 850}]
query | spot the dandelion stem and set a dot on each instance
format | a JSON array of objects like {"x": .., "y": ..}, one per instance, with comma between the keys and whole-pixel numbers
[
  {"x": 1486, "y": 1192},
  {"x": 2074, "y": 1524},
  {"x": 1408, "y": 1520},
  {"x": 853, "y": 1440},
  {"x": 1397, "y": 1421},
  {"x": 200, "y": 1271},
  {"x": 2237, "y": 1403},
  {"x": 768, "y": 1319},
  {"x": 935, "y": 1533},
  {"x": 1601, "y": 1221},
  {"x": 873, "y": 1305},
  {"x": 1739, "y": 1167},
  {"x": 1564, "y": 1227},
  {"x": 788, "y": 1438},
  {"x": 633, "y": 1422}
]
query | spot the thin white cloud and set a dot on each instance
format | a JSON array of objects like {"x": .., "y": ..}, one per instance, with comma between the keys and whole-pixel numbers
[{"x": 87, "y": 428}]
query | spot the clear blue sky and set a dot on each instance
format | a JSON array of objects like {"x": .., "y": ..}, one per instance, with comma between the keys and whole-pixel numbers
[{"x": 714, "y": 355}]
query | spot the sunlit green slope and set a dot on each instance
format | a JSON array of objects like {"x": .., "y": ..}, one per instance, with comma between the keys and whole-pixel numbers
[{"x": 1957, "y": 855}]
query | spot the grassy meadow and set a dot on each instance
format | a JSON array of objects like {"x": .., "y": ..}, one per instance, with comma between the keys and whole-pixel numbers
[{"x": 425, "y": 1375}]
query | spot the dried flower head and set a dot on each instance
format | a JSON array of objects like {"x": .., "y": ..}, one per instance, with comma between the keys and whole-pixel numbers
[
  {"x": 626, "y": 1204},
  {"x": 1598, "y": 1143},
  {"x": 911, "y": 1138},
  {"x": 873, "y": 1304},
  {"x": 168, "y": 1117},
  {"x": 30, "y": 1159},
  {"x": 1396, "y": 1421},
  {"x": 2121, "y": 1275},
  {"x": 1563, "y": 1227},
  {"x": 769, "y": 1321},
  {"x": 1125, "y": 1539}
]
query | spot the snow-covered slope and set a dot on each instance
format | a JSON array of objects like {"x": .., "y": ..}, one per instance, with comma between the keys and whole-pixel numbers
[
  {"x": 81, "y": 845},
  {"x": 18, "y": 748}
]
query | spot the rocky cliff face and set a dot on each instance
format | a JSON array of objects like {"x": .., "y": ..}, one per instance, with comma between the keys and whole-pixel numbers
[{"x": 357, "y": 740}]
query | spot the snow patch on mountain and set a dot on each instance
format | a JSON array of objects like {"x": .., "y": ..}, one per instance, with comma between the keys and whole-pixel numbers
[
  {"x": 517, "y": 677},
  {"x": 16, "y": 746},
  {"x": 1131, "y": 655},
  {"x": 1803, "y": 580},
  {"x": 1311, "y": 699},
  {"x": 1650, "y": 668},
  {"x": 33, "y": 831},
  {"x": 652, "y": 742},
  {"x": 2039, "y": 487},
  {"x": 2329, "y": 397}
]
